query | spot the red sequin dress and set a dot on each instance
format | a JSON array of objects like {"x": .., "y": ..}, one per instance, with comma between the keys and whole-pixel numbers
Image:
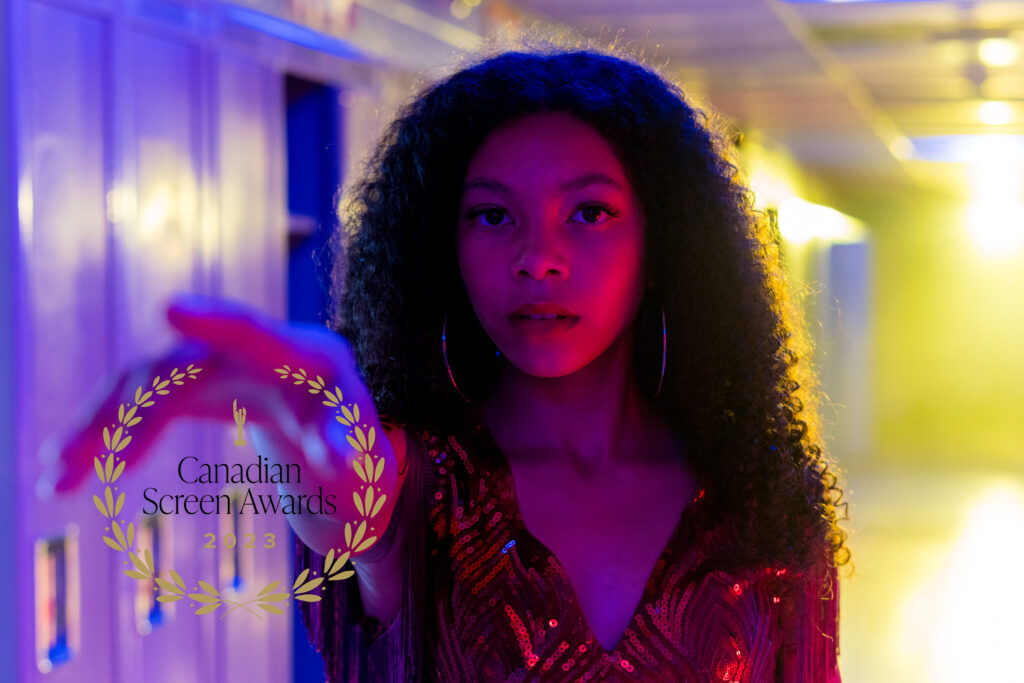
[{"x": 484, "y": 600}]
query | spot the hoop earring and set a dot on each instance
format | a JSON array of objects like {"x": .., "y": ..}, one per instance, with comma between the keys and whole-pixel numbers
[
  {"x": 664, "y": 350},
  {"x": 447, "y": 365}
]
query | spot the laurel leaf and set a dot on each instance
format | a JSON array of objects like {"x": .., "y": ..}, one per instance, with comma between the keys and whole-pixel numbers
[
  {"x": 328, "y": 560},
  {"x": 308, "y": 598},
  {"x": 273, "y": 609},
  {"x": 359, "y": 471},
  {"x": 147, "y": 404},
  {"x": 134, "y": 422},
  {"x": 177, "y": 580},
  {"x": 162, "y": 392},
  {"x": 195, "y": 372},
  {"x": 106, "y": 438},
  {"x": 112, "y": 543},
  {"x": 377, "y": 506},
  {"x": 155, "y": 380},
  {"x": 353, "y": 442},
  {"x": 379, "y": 472},
  {"x": 361, "y": 438},
  {"x": 366, "y": 544},
  {"x": 120, "y": 502},
  {"x": 341, "y": 576},
  {"x": 169, "y": 598},
  {"x": 124, "y": 444},
  {"x": 342, "y": 420},
  {"x": 110, "y": 501},
  {"x": 340, "y": 562},
  {"x": 119, "y": 534},
  {"x": 348, "y": 534},
  {"x": 120, "y": 413},
  {"x": 301, "y": 578},
  {"x": 166, "y": 585},
  {"x": 99, "y": 468},
  {"x": 320, "y": 380},
  {"x": 116, "y": 438},
  {"x": 207, "y": 608},
  {"x": 137, "y": 561},
  {"x": 135, "y": 574},
  {"x": 145, "y": 397},
  {"x": 347, "y": 413},
  {"x": 100, "y": 506},
  {"x": 108, "y": 468},
  {"x": 313, "y": 391},
  {"x": 369, "y": 501},
  {"x": 368, "y": 465},
  {"x": 275, "y": 597},
  {"x": 138, "y": 393},
  {"x": 270, "y": 587},
  {"x": 355, "y": 411},
  {"x": 163, "y": 385},
  {"x": 117, "y": 471},
  {"x": 131, "y": 533},
  {"x": 209, "y": 588},
  {"x": 203, "y": 597},
  {"x": 360, "y": 530},
  {"x": 359, "y": 503},
  {"x": 309, "y": 585},
  {"x": 371, "y": 438},
  {"x": 149, "y": 561}
]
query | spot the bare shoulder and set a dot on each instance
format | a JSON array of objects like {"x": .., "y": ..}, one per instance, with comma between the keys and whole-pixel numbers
[{"x": 379, "y": 570}]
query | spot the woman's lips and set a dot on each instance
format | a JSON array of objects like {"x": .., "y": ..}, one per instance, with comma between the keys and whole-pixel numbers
[
  {"x": 541, "y": 311},
  {"x": 540, "y": 327}
]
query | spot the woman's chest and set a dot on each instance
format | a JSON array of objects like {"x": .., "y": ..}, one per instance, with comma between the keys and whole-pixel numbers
[{"x": 606, "y": 535}]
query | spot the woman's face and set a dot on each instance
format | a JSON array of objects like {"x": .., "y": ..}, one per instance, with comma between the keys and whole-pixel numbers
[{"x": 549, "y": 226}]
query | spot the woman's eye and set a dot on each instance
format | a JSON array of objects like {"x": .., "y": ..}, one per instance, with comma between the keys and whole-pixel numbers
[
  {"x": 592, "y": 213},
  {"x": 491, "y": 216}
]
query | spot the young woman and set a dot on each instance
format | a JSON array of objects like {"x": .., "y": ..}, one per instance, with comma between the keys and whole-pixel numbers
[{"x": 602, "y": 457}]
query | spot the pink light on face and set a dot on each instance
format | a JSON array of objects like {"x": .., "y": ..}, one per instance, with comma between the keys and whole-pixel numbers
[{"x": 550, "y": 243}]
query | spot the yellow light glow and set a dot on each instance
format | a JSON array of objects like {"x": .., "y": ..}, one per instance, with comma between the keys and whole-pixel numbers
[
  {"x": 901, "y": 147},
  {"x": 998, "y": 52},
  {"x": 801, "y": 221},
  {"x": 994, "y": 113},
  {"x": 460, "y": 9},
  {"x": 157, "y": 210},
  {"x": 995, "y": 216},
  {"x": 967, "y": 618},
  {"x": 996, "y": 228}
]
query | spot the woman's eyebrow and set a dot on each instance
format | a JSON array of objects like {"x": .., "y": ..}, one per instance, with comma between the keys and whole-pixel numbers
[
  {"x": 578, "y": 183},
  {"x": 587, "y": 180}
]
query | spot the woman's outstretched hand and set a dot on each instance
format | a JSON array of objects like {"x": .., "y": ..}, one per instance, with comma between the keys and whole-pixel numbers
[{"x": 280, "y": 374}]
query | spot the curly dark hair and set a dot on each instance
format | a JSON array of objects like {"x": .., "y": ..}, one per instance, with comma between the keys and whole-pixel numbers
[{"x": 733, "y": 386}]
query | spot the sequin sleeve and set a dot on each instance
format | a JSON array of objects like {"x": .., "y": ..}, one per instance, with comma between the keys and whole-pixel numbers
[
  {"x": 810, "y": 648},
  {"x": 357, "y": 648}
]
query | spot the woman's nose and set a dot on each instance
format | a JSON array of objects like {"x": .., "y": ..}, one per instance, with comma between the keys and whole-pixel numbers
[{"x": 540, "y": 254}]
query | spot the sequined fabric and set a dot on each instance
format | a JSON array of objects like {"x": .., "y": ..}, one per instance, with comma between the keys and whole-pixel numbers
[{"x": 499, "y": 605}]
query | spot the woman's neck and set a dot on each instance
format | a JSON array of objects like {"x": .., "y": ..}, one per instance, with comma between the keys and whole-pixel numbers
[{"x": 597, "y": 418}]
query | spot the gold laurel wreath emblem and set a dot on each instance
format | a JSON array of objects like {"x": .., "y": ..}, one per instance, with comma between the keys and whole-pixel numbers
[{"x": 110, "y": 466}]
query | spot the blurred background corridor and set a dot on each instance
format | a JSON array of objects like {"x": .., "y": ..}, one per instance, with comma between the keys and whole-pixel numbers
[{"x": 155, "y": 146}]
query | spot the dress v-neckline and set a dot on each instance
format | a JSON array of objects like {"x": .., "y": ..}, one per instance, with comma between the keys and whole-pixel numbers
[{"x": 505, "y": 471}]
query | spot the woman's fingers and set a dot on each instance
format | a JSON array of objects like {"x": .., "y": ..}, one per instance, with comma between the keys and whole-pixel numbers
[
  {"x": 68, "y": 457},
  {"x": 234, "y": 328}
]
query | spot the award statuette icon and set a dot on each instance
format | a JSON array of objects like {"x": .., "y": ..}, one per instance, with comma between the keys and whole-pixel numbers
[{"x": 239, "y": 422}]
